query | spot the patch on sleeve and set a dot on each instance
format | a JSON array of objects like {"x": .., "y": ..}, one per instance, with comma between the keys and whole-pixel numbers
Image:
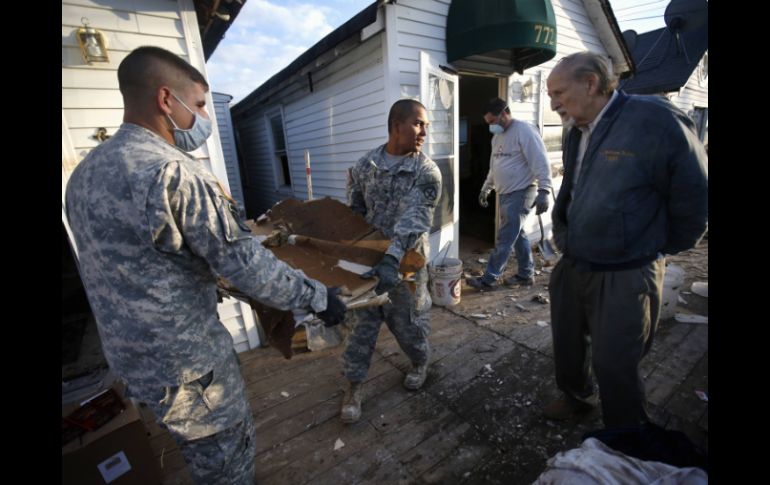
[{"x": 430, "y": 192}]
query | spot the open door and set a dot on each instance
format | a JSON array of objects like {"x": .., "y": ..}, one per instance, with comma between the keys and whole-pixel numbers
[{"x": 439, "y": 94}]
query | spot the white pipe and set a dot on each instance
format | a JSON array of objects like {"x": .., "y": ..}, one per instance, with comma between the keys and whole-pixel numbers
[{"x": 309, "y": 179}]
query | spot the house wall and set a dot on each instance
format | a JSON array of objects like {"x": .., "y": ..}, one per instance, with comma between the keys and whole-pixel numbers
[
  {"x": 421, "y": 25},
  {"x": 695, "y": 92},
  {"x": 344, "y": 117},
  {"x": 227, "y": 139},
  {"x": 91, "y": 98},
  {"x": 361, "y": 86}
]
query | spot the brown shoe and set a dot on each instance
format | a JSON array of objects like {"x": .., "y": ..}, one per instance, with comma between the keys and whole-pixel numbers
[
  {"x": 351, "y": 403},
  {"x": 563, "y": 409}
]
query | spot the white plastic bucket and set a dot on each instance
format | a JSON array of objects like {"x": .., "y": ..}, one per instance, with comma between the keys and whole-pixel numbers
[
  {"x": 672, "y": 282},
  {"x": 445, "y": 282}
]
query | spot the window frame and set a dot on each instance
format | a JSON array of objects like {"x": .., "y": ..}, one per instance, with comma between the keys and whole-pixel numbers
[{"x": 280, "y": 174}]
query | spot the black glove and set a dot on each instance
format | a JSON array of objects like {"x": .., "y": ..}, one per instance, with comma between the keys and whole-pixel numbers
[
  {"x": 387, "y": 271},
  {"x": 335, "y": 308},
  {"x": 541, "y": 201}
]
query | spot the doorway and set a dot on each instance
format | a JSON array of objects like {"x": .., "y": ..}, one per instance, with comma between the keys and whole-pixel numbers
[{"x": 475, "y": 148}]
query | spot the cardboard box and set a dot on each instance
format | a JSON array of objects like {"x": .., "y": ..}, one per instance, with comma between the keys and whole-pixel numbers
[{"x": 118, "y": 453}]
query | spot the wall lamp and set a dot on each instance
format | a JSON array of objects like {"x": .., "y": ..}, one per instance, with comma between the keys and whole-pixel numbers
[{"x": 93, "y": 45}]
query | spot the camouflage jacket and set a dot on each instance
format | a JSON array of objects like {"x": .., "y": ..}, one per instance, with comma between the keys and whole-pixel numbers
[
  {"x": 153, "y": 230},
  {"x": 400, "y": 203}
]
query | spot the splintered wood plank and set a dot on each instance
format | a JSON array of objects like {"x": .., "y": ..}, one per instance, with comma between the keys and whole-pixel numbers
[
  {"x": 668, "y": 337},
  {"x": 404, "y": 428},
  {"x": 328, "y": 410},
  {"x": 271, "y": 362},
  {"x": 675, "y": 367},
  {"x": 684, "y": 403},
  {"x": 458, "y": 465},
  {"x": 703, "y": 422},
  {"x": 510, "y": 385},
  {"x": 532, "y": 336},
  {"x": 320, "y": 389},
  {"x": 443, "y": 340},
  {"x": 278, "y": 389},
  {"x": 305, "y": 456},
  {"x": 455, "y": 372}
]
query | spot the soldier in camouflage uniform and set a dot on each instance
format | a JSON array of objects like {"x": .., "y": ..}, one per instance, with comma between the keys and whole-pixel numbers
[
  {"x": 153, "y": 229},
  {"x": 396, "y": 188}
]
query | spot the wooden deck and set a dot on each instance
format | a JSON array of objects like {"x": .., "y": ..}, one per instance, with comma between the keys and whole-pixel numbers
[{"x": 477, "y": 420}]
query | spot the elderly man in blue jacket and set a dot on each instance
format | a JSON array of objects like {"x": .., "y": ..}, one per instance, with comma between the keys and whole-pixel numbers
[{"x": 635, "y": 188}]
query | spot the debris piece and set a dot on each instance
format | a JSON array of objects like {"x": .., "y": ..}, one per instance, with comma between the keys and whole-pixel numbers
[
  {"x": 284, "y": 394},
  {"x": 338, "y": 444},
  {"x": 483, "y": 349},
  {"x": 681, "y": 300},
  {"x": 538, "y": 272},
  {"x": 700, "y": 288},
  {"x": 541, "y": 323},
  {"x": 482, "y": 260},
  {"x": 521, "y": 307},
  {"x": 356, "y": 268},
  {"x": 541, "y": 299},
  {"x": 703, "y": 396},
  {"x": 691, "y": 318},
  {"x": 479, "y": 316},
  {"x": 488, "y": 367}
]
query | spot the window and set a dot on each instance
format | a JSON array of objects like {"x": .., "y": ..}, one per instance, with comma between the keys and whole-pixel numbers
[{"x": 280, "y": 155}]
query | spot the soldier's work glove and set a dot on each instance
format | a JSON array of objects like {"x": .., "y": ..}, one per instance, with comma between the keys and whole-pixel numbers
[
  {"x": 541, "y": 201},
  {"x": 335, "y": 308},
  {"x": 483, "y": 198},
  {"x": 387, "y": 272}
]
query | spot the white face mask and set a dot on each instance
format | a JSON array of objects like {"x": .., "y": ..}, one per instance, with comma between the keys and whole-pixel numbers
[
  {"x": 496, "y": 128},
  {"x": 189, "y": 140}
]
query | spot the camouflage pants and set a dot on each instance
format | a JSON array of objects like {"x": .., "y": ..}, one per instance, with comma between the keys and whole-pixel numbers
[
  {"x": 224, "y": 458},
  {"x": 211, "y": 421},
  {"x": 407, "y": 317}
]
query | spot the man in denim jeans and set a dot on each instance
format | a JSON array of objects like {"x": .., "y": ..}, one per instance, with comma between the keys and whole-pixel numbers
[{"x": 518, "y": 159}]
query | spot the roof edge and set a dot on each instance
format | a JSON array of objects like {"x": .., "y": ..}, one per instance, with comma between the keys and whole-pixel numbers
[{"x": 352, "y": 27}]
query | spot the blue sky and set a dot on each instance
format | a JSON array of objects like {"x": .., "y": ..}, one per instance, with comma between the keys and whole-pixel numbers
[{"x": 268, "y": 35}]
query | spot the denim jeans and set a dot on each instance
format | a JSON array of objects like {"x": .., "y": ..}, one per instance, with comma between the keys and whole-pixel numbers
[{"x": 514, "y": 208}]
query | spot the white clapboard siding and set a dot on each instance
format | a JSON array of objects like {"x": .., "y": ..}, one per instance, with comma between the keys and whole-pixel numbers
[
  {"x": 342, "y": 118},
  {"x": 241, "y": 321},
  {"x": 91, "y": 99},
  {"x": 694, "y": 93},
  {"x": 227, "y": 138}
]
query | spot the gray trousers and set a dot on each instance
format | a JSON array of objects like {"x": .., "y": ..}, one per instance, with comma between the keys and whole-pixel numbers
[
  {"x": 407, "y": 317},
  {"x": 211, "y": 421},
  {"x": 605, "y": 320}
]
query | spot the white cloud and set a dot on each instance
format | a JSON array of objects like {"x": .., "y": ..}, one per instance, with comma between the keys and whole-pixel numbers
[
  {"x": 264, "y": 39},
  {"x": 267, "y": 36}
]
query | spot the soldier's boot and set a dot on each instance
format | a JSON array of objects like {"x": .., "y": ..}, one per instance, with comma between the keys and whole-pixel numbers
[
  {"x": 416, "y": 377},
  {"x": 351, "y": 403}
]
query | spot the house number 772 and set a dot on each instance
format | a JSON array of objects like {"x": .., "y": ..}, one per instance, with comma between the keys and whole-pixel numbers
[{"x": 549, "y": 34}]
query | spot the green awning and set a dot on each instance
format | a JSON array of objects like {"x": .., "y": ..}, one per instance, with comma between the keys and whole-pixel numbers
[{"x": 500, "y": 36}]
